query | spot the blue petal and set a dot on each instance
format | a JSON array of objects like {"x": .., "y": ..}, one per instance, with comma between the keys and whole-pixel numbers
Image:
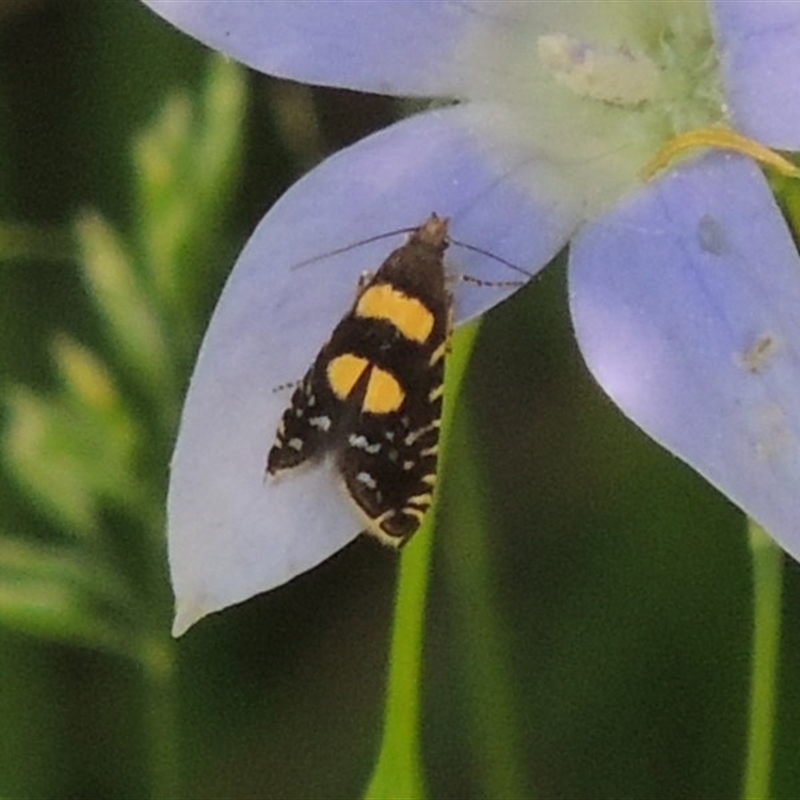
[
  {"x": 384, "y": 47},
  {"x": 759, "y": 44},
  {"x": 685, "y": 303},
  {"x": 231, "y": 534}
]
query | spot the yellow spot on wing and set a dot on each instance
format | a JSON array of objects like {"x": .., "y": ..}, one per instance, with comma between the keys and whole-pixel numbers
[
  {"x": 384, "y": 393},
  {"x": 344, "y": 372},
  {"x": 411, "y": 317}
]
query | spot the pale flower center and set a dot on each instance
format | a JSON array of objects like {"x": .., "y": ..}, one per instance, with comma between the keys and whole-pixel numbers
[
  {"x": 580, "y": 96},
  {"x": 620, "y": 76}
]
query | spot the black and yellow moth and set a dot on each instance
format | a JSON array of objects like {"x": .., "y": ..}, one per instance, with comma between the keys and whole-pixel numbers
[{"x": 372, "y": 399}]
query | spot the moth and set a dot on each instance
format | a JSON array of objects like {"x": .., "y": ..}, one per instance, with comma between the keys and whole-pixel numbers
[{"x": 372, "y": 399}]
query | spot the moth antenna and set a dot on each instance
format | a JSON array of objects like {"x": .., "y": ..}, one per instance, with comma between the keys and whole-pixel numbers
[
  {"x": 491, "y": 284},
  {"x": 353, "y": 246},
  {"x": 410, "y": 229},
  {"x": 499, "y": 259}
]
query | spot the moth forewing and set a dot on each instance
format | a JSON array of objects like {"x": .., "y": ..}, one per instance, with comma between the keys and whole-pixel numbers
[{"x": 372, "y": 399}]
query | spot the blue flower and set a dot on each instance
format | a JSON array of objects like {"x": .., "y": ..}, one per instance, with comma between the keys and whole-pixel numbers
[{"x": 684, "y": 290}]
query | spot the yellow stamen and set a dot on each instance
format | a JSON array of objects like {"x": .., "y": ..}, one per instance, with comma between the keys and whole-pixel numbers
[{"x": 723, "y": 139}]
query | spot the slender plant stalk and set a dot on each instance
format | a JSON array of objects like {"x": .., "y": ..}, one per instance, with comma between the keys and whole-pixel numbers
[
  {"x": 767, "y": 587},
  {"x": 161, "y": 719},
  {"x": 158, "y": 658},
  {"x": 398, "y": 772}
]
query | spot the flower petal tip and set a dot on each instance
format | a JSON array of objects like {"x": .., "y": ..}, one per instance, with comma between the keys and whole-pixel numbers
[{"x": 186, "y": 615}]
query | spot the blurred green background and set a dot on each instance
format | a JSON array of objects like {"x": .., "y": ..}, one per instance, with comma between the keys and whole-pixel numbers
[{"x": 620, "y": 582}]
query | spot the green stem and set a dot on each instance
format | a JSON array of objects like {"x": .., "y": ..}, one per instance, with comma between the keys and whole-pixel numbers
[
  {"x": 161, "y": 719},
  {"x": 158, "y": 657},
  {"x": 767, "y": 586},
  {"x": 398, "y": 772}
]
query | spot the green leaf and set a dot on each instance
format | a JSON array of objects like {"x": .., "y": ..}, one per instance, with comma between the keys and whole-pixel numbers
[
  {"x": 73, "y": 451},
  {"x": 56, "y": 592},
  {"x": 38, "y": 454},
  {"x": 131, "y": 319},
  {"x": 479, "y": 628},
  {"x": 187, "y": 164}
]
